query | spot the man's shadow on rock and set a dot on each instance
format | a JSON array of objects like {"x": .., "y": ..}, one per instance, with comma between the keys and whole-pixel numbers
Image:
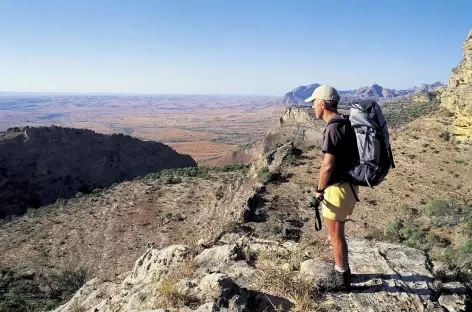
[
  {"x": 400, "y": 288},
  {"x": 267, "y": 303}
]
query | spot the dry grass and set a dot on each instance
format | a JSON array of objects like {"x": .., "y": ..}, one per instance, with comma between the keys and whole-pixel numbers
[
  {"x": 280, "y": 278},
  {"x": 171, "y": 296}
]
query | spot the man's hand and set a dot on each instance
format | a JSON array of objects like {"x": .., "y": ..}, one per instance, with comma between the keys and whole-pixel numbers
[{"x": 319, "y": 196}]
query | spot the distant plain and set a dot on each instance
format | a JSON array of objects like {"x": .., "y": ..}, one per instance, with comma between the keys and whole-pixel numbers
[{"x": 205, "y": 127}]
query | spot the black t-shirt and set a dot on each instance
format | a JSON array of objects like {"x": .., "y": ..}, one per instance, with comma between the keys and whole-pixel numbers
[{"x": 339, "y": 140}]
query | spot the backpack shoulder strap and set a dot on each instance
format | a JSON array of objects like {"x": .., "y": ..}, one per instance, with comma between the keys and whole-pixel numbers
[{"x": 338, "y": 119}]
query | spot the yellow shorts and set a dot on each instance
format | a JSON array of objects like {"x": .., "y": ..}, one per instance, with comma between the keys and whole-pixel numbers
[{"x": 339, "y": 201}]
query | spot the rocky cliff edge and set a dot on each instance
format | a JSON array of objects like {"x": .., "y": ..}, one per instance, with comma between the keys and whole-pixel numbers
[{"x": 457, "y": 96}]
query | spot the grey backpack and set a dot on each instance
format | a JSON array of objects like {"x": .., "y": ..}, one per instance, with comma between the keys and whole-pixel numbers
[{"x": 373, "y": 144}]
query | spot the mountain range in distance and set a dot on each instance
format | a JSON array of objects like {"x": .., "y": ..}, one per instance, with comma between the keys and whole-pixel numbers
[{"x": 298, "y": 95}]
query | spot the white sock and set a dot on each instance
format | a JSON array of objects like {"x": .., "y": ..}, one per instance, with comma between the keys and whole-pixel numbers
[{"x": 340, "y": 270}]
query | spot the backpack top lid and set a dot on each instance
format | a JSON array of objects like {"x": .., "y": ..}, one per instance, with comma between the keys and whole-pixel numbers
[
  {"x": 364, "y": 105},
  {"x": 367, "y": 113},
  {"x": 362, "y": 114}
]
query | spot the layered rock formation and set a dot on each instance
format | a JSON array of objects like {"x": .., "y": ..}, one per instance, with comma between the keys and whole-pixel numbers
[
  {"x": 297, "y": 124},
  {"x": 457, "y": 97},
  {"x": 249, "y": 274},
  {"x": 40, "y": 165}
]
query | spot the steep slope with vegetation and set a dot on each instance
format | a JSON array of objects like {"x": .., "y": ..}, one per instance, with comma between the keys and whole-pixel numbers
[{"x": 40, "y": 165}]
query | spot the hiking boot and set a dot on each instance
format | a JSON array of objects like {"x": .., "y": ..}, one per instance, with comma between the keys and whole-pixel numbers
[{"x": 335, "y": 281}]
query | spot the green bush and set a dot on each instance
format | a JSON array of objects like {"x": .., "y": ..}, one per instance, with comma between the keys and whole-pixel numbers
[
  {"x": 445, "y": 135},
  {"x": 441, "y": 208},
  {"x": 200, "y": 172},
  {"x": 65, "y": 284},
  {"x": 469, "y": 225},
  {"x": 460, "y": 161},
  {"x": 449, "y": 212},
  {"x": 230, "y": 227},
  {"x": 276, "y": 230},
  {"x": 289, "y": 160},
  {"x": 467, "y": 247},
  {"x": 266, "y": 176},
  {"x": 438, "y": 208},
  {"x": 242, "y": 147},
  {"x": 312, "y": 147},
  {"x": 413, "y": 235},
  {"x": 449, "y": 257},
  {"x": 38, "y": 293},
  {"x": 394, "y": 228},
  {"x": 408, "y": 211}
]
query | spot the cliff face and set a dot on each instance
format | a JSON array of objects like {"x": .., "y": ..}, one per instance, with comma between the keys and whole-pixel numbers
[
  {"x": 457, "y": 96},
  {"x": 40, "y": 165}
]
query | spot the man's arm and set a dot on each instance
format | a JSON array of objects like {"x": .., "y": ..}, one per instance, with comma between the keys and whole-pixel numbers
[{"x": 326, "y": 170}]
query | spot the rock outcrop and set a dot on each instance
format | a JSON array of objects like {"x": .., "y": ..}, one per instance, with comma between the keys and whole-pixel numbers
[
  {"x": 250, "y": 274},
  {"x": 297, "y": 124},
  {"x": 40, "y": 165},
  {"x": 457, "y": 97},
  {"x": 424, "y": 97}
]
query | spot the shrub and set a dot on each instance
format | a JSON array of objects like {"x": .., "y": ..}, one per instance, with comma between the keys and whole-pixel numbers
[
  {"x": 394, "y": 228},
  {"x": 449, "y": 257},
  {"x": 408, "y": 211},
  {"x": 290, "y": 160},
  {"x": 440, "y": 208},
  {"x": 65, "y": 284},
  {"x": 467, "y": 247},
  {"x": 242, "y": 147},
  {"x": 39, "y": 293},
  {"x": 276, "y": 230},
  {"x": 312, "y": 147},
  {"x": 230, "y": 227},
  {"x": 413, "y": 235},
  {"x": 200, "y": 172},
  {"x": 266, "y": 176},
  {"x": 469, "y": 225},
  {"x": 445, "y": 135}
]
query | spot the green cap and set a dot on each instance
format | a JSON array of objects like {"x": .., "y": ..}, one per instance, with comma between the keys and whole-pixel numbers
[{"x": 324, "y": 92}]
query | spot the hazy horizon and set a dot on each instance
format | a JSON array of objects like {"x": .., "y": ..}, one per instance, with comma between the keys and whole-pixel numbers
[
  {"x": 263, "y": 48},
  {"x": 178, "y": 94}
]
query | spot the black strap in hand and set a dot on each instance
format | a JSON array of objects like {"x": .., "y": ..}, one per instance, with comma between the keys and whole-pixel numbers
[{"x": 315, "y": 203}]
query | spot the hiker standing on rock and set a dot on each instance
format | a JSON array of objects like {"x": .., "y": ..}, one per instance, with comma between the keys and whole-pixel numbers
[{"x": 335, "y": 191}]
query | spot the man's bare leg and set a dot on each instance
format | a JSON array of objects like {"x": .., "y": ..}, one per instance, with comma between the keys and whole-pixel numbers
[{"x": 338, "y": 241}]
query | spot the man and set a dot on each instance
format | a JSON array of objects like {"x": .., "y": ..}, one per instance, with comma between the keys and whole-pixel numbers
[{"x": 336, "y": 193}]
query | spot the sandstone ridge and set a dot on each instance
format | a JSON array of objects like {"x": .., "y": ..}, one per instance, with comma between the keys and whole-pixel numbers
[{"x": 457, "y": 96}]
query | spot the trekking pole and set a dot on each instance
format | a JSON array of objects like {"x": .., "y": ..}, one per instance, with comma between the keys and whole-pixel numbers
[{"x": 315, "y": 203}]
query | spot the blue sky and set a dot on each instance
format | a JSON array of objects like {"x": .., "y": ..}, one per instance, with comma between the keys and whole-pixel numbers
[{"x": 227, "y": 46}]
